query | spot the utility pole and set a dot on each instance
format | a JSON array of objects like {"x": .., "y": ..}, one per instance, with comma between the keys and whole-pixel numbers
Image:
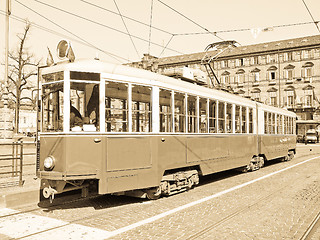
[
  {"x": 5, "y": 94},
  {"x": 279, "y": 78}
]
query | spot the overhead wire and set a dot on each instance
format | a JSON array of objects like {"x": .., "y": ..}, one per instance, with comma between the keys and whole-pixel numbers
[
  {"x": 245, "y": 29},
  {"x": 213, "y": 33},
  {"x": 125, "y": 25},
  {"x": 16, "y": 18},
  {"x": 75, "y": 35},
  {"x": 166, "y": 46},
  {"x": 314, "y": 21},
  {"x": 100, "y": 24},
  {"x": 132, "y": 19}
]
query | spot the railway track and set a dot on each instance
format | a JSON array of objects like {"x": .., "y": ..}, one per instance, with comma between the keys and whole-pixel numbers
[
  {"x": 312, "y": 228},
  {"x": 116, "y": 203},
  {"x": 238, "y": 211}
]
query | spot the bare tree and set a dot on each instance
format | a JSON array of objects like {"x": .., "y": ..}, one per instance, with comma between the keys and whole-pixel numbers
[{"x": 22, "y": 67}]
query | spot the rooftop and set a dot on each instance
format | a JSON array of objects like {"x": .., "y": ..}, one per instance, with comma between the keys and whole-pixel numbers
[{"x": 282, "y": 45}]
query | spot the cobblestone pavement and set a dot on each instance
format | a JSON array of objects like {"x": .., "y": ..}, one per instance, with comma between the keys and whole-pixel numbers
[{"x": 225, "y": 206}]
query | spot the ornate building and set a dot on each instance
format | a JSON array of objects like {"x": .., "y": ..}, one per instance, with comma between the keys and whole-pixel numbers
[{"x": 284, "y": 73}]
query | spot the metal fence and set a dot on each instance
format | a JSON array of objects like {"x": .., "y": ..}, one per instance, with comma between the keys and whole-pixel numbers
[{"x": 12, "y": 160}]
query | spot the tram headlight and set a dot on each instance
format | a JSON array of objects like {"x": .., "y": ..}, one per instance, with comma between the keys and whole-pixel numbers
[{"x": 48, "y": 163}]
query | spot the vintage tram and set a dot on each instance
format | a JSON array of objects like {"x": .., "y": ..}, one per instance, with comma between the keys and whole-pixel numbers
[{"x": 124, "y": 130}]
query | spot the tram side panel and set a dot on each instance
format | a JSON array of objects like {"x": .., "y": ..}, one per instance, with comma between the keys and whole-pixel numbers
[
  {"x": 130, "y": 163},
  {"x": 276, "y": 146},
  {"x": 140, "y": 162},
  {"x": 218, "y": 153},
  {"x": 211, "y": 154},
  {"x": 75, "y": 158}
]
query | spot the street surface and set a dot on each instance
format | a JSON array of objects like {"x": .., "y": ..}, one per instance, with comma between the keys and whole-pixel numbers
[{"x": 277, "y": 202}]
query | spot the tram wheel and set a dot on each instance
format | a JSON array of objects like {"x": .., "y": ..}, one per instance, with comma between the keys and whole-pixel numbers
[
  {"x": 153, "y": 193},
  {"x": 261, "y": 162},
  {"x": 190, "y": 183}
]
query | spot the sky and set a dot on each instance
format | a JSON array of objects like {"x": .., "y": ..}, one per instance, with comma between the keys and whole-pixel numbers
[{"x": 94, "y": 31}]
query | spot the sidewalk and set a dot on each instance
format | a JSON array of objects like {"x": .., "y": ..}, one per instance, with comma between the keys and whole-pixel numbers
[
  {"x": 15, "y": 196},
  {"x": 11, "y": 194}
]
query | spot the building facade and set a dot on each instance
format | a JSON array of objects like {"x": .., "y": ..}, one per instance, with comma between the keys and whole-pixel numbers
[{"x": 284, "y": 73}]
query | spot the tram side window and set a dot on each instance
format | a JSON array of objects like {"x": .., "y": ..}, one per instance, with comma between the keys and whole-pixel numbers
[
  {"x": 273, "y": 124},
  {"x": 221, "y": 117},
  {"x": 285, "y": 125},
  {"x": 141, "y": 109},
  {"x": 192, "y": 117},
  {"x": 279, "y": 125},
  {"x": 244, "y": 120},
  {"x": 290, "y": 125},
  {"x": 212, "y": 116},
  {"x": 270, "y": 123},
  {"x": 52, "y": 100},
  {"x": 266, "y": 124},
  {"x": 165, "y": 110},
  {"x": 250, "y": 120},
  {"x": 203, "y": 115},
  {"x": 116, "y": 107},
  {"x": 84, "y": 106},
  {"x": 229, "y": 118},
  {"x": 238, "y": 120},
  {"x": 179, "y": 112}
]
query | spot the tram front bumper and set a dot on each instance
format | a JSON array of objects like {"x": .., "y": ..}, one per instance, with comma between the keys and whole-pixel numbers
[{"x": 65, "y": 176}]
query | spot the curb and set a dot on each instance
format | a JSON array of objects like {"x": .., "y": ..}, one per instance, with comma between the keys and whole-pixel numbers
[{"x": 19, "y": 198}]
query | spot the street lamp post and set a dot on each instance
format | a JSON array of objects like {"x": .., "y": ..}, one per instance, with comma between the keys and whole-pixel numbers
[
  {"x": 279, "y": 78},
  {"x": 5, "y": 93}
]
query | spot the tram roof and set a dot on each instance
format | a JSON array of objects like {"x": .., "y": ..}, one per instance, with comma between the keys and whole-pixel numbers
[{"x": 131, "y": 74}]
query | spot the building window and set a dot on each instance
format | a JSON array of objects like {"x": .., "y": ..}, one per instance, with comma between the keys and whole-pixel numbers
[
  {"x": 290, "y": 98},
  {"x": 308, "y": 95},
  {"x": 271, "y": 58},
  {"x": 306, "y": 71},
  {"x": 307, "y": 54},
  {"x": 255, "y": 60},
  {"x": 225, "y": 77},
  {"x": 256, "y": 96},
  {"x": 240, "y": 62},
  {"x": 224, "y": 64},
  {"x": 289, "y": 74},
  {"x": 240, "y": 78},
  {"x": 273, "y": 98},
  {"x": 256, "y": 77},
  {"x": 272, "y": 76}
]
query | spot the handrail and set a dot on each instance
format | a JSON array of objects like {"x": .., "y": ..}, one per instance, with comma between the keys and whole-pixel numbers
[{"x": 16, "y": 158}]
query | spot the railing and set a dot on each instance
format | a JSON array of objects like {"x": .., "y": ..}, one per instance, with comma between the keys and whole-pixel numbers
[{"x": 12, "y": 160}]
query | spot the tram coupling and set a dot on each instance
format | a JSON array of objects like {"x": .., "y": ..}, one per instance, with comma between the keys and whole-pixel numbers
[{"x": 48, "y": 192}]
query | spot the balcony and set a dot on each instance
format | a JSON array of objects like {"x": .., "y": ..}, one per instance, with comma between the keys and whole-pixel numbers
[
  {"x": 272, "y": 82},
  {"x": 289, "y": 81},
  {"x": 307, "y": 79}
]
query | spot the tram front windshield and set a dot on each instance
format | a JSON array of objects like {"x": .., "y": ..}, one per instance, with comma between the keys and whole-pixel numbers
[{"x": 83, "y": 102}]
